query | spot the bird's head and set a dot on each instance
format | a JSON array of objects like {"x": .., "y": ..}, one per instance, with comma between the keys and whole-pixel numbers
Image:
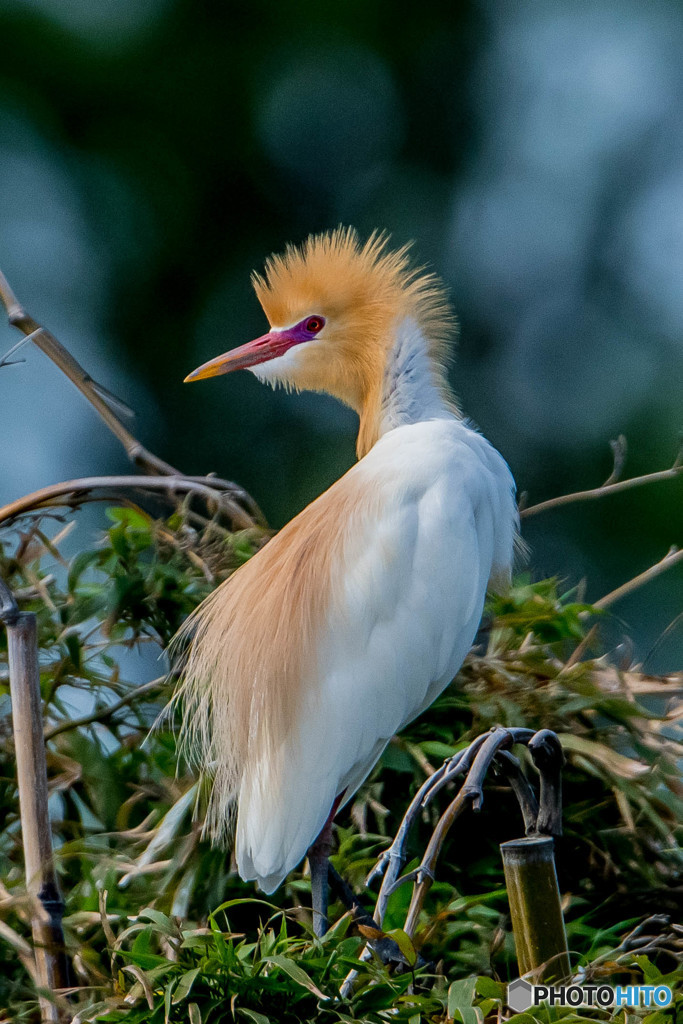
[{"x": 332, "y": 305}]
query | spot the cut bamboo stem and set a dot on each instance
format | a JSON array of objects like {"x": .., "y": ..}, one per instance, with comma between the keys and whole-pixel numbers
[
  {"x": 535, "y": 908},
  {"x": 41, "y": 879}
]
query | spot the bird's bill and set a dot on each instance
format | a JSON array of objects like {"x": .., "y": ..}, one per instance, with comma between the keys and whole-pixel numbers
[{"x": 268, "y": 346}]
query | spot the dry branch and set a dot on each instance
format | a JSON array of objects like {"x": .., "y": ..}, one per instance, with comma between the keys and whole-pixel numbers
[
  {"x": 671, "y": 558},
  {"x": 61, "y": 357},
  {"x": 619, "y": 449},
  {"x": 75, "y": 492},
  {"x": 104, "y": 713},
  {"x": 102, "y": 401},
  {"x": 609, "y": 487}
]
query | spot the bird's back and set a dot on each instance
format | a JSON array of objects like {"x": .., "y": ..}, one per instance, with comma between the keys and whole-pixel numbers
[{"x": 380, "y": 588}]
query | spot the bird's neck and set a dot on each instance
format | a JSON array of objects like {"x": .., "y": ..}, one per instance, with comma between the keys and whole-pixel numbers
[{"x": 411, "y": 387}]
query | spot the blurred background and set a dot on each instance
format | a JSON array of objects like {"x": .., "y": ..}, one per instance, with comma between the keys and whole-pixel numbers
[{"x": 153, "y": 152}]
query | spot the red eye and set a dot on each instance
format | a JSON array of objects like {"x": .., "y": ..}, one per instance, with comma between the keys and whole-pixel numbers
[{"x": 315, "y": 324}]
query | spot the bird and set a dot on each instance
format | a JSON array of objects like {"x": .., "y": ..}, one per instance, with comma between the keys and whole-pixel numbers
[{"x": 350, "y": 621}]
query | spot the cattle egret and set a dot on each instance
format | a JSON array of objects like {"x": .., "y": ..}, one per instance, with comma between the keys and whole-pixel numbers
[{"x": 352, "y": 619}]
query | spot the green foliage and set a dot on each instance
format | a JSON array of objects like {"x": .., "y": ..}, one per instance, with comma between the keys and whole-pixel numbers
[
  {"x": 142, "y": 886},
  {"x": 214, "y": 975},
  {"x": 218, "y": 975}
]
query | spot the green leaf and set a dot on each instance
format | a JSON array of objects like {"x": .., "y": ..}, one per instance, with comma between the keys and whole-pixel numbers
[
  {"x": 650, "y": 972},
  {"x": 486, "y": 1006},
  {"x": 468, "y": 1015},
  {"x": 488, "y": 988},
  {"x": 147, "y": 961},
  {"x": 460, "y": 999},
  {"x": 405, "y": 944},
  {"x": 159, "y": 919},
  {"x": 258, "y": 1018},
  {"x": 131, "y": 517},
  {"x": 79, "y": 564},
  {"x": 439, "y": 751},
  {"x": 184, "y": 985},
  {"x": 245, "y": 900},
  {"x": 296, "y": 973}
]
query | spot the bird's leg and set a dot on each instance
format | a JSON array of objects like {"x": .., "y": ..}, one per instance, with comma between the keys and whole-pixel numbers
[
  {"x": 319, "y": 861},
  {"x": 318, "y": 858}
]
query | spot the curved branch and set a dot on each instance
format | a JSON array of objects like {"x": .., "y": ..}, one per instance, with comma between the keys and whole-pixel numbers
[
  {"x": 102, "y": 400},
  {"x": 93, "y": 392},
  {"x": 71, "y": 492},
  {"x": 671, "y": 558},
  {"x": 604, "y": 491},
  {"x": 102, "y": 714}
]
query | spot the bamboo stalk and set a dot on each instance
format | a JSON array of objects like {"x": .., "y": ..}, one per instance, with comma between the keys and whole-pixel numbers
[
  {"x": 41, "y": 879},
  {"x": 535, "y": 908}
]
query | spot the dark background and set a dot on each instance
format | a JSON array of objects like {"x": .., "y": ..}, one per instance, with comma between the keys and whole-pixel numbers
[{"x": 153, "y": 152}]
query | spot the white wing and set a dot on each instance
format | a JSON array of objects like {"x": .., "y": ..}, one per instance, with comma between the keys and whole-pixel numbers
[{"x": 406, "y": 605}]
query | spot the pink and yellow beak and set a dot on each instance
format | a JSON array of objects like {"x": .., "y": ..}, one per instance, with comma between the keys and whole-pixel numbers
[{"x": 268, "y": 346}]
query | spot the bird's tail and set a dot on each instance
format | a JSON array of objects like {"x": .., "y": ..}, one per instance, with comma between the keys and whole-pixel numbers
[{"x": 208, "y": 735}]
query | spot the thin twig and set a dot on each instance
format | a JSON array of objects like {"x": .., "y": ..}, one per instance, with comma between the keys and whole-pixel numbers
[
  {"x": 580, "y": 649},
  {"x": 631, "y": 941},
  {"x": 671, "y": 558},
  {"x": 71, "y": 492},
  {"x": 101, "y": 399},
  {"x": 102, "y": 714},
  {"x": 662, "y": 637},
  {"x": 619, "y": 450},
  {"x": 61, "y": 357},
  {"x": 235, "y": 491},
  {"x": 6, "y": 361},
  {"x": 605, "y": 490}
]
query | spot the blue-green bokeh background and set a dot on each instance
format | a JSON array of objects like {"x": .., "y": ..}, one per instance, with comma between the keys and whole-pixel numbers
[{"x": 152, "y": 152}]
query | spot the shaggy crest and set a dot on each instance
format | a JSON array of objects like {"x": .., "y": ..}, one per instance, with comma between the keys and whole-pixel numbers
[
  {"x": 335, "y": 273},
  {"x": 365, "y": 291}
]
